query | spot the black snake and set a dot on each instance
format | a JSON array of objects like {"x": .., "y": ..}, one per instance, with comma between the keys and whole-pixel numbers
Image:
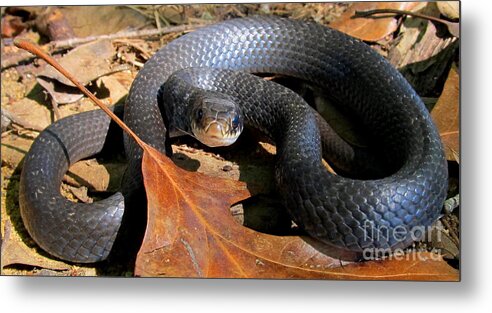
[{"x": 351, "y": 214}]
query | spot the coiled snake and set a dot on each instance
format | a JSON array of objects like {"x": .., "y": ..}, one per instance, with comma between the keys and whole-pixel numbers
[{"x": 351, "y": 214}]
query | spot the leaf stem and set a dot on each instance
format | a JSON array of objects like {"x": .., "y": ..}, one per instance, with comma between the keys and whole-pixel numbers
[{"x": 34, "y": 49}]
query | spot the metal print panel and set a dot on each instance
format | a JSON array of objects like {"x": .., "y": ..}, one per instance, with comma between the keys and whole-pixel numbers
[{"x": 274, "y": 141}]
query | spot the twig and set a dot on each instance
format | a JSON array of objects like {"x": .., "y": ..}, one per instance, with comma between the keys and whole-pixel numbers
[
  {"x": 56, "y": 110},
  {"x": 400, "y": 12},
  {"x": 69, "y": 43},
  {"x": 26, "y": 45},
  {"x": 55, "y": 46},
  {"x": 452, "y": 27}
]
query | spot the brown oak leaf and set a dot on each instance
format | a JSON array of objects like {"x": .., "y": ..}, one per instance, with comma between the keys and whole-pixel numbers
[
  {"x": 191, "y": 233},
  {"x": 446, "y": 114}
]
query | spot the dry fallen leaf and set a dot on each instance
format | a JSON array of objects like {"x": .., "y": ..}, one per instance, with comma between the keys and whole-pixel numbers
[
  {"x": 450, "y": 9},
  {"x": 88, "y": 62},
  {"x": 93, "y": 20},
  {"x": 13, "y": 149},
  {"x": 446, "y": 115},
  {"x": 53, "y": 24},
  {"x": 191, "y": 233},
  {"x": 421, "y": 54},
  {"x": 372, "y": 28},
  {"x": 12, "y": 26},
  {"x": 15, "y": 252},
  {"x": 37, "y": 115}
]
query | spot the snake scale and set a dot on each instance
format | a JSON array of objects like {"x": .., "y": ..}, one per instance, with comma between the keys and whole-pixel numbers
[{"x": 350, "y": 214}]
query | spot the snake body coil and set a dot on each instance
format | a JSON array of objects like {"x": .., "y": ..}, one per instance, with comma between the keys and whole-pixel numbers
[{"x": 352, "y": 215}]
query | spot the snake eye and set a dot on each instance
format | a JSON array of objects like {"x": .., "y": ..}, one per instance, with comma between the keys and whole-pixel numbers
[
  {"x": 199, "y": 114},
  {"x": 235, "y": 121}
]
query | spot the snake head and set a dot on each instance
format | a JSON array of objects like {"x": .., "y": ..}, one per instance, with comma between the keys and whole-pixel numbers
[{"x": 216, "y": 121}]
